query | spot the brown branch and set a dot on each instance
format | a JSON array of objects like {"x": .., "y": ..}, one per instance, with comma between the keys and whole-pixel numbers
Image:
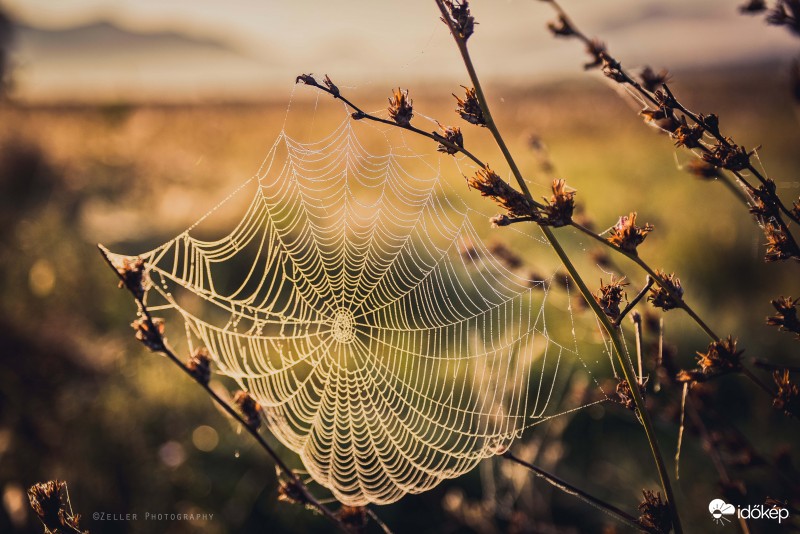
[
  {"x": 635, "y": 301},
  {"x": 359, "y": 114},
  {"x": 568, "y": 488},
  {"x": 306, "y": 497},
  {"x": 614, "y": 70}
]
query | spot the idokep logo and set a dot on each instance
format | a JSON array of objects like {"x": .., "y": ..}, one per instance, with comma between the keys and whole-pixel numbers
[{"x": 721, "y": 512}]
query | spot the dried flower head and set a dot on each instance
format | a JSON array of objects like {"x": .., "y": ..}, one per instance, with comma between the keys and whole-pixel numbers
[
  {"x": 401, "y": 108},
  {"x": 199, "y": 365},
  {"x": 491, "y": 185},
  {"x": 500, "y": 220},
  {"x": 610, "y": 296},
  {"x": 753, "y": 6},
  {"x": 249, "y": 407},
  {"x": 795, "y": 211},
  {"x": 331, "y": 86},
  {"x": 667, "y": 292},
  {"x": 787, "y": 397},
  {"x": 656, "y": 515},
  {"x": 460, "y": 18},
  {"x": 626, "y": 235},
  {"x": 152, "y": 338},
  {"x": 307, "y": 79},
  {"x": 559, "y": 209},
  {"x": 711, "y": 123},
  {"x": 597, "y": 50},
  {"x": 661, "y": 118},
  {"x": 786, "y": 13},
  {"x": 47, "y": 501},
  {"x": 786, "y": 317},
  {"x": 728, "y": 156},
  {"x": 132, "y": 276},
  {"x": 353, "y": 517},
  {"x": 703, "y": 169},
  {"x": 613, "y": 69},
  {"x": 688, "y": 135},
  {"x": 469, "y": 108},
  {"x": 291, "y": 491},
  {"x": 652, "y": 80},
  {"x": 780, "y": 245},
  {"x": 625, "y": 395},
  {"x": 562, "y": 27},
  {"x": 50, "y": 502},
  {"x": 453, "y": 135},
  {"x": 720, "y": 358},
  {"x": 765, "y": 202}
]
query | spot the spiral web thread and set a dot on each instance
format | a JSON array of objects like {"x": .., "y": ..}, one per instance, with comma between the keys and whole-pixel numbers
[{"x": 357, "y": 302}]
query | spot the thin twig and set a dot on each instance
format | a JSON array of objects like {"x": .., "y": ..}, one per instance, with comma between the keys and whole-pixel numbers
[
  {"x": 637, "y": 328},
  {"x": 297, "y": 482},
  {"x": 764, "y": 364},
  {"x": 627, "y": 79},
  {"x": 753, "y": 378},
  {"x": 434, "y": 136},
  {"x": 635, "y": 301},
  {"x": 378, "y": 520},
  {"x": 568, "y": 488}
]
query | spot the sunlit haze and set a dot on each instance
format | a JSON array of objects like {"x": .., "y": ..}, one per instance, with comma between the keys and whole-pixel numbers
[{"x": 84, "y": 49}]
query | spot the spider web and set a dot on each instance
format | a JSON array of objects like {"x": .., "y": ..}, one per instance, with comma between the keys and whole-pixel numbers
[{"x": 357, "y": 301}]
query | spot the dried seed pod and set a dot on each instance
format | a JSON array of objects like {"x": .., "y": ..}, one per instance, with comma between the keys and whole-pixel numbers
[
  {"x": 454, "y": 136},
  {"x": 786, "y": 317},
  {"x": 152, "y": 338},
  {"x": 561, "y": 205},
  {"x": 661, "y": 294},
  {"x": 469, "y": 108},
  {"x": 249, "y": 407},
  {"x": 787, "y": 398},
  {"x": 460, "y": 18},
  {"x": 199, "y": 365},
  {"x": 610, "y": 296},
  {"x": 656, "y": 515},
  {"x": 491, "y": 185},
  {"x": 626, "y": 235},
  {"x": 132, "y": 276},
  {"x": 401, "y": 108}
]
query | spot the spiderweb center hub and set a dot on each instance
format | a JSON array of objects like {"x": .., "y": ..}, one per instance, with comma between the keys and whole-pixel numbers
[{"x": 343, "y": 328}]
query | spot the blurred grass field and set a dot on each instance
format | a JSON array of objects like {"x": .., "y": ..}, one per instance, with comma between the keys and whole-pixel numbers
[{"x": 82, "y": 401}]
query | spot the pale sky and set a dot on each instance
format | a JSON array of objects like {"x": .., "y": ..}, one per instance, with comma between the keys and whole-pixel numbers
[{"x": 363, "y": 42}]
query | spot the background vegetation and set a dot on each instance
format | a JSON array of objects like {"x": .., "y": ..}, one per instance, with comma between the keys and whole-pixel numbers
[{"x": 81, "y": 401}]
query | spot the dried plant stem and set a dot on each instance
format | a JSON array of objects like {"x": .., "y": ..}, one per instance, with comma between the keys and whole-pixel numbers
[
  {"x": 753, "y": 378},
  {"x": 655, "y": 276},
  {"x": 626, "y": 79},
  {"x": 378, "y": 521},
  {"x": 632, "y": 304},
  {"x": 625, "y": 363},
  {"x": 296, "y": 481},
  {"x": 360, "y": 114},
  {"x": 724, "y": 141},
  {"x": 568, "y": 488},
  {"x": 764, "y": 364},
  {"x": 637, "y": 328}
]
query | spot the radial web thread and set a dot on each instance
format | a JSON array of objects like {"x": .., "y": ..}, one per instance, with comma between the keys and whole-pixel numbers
[{"x": 356, "y": 300}]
